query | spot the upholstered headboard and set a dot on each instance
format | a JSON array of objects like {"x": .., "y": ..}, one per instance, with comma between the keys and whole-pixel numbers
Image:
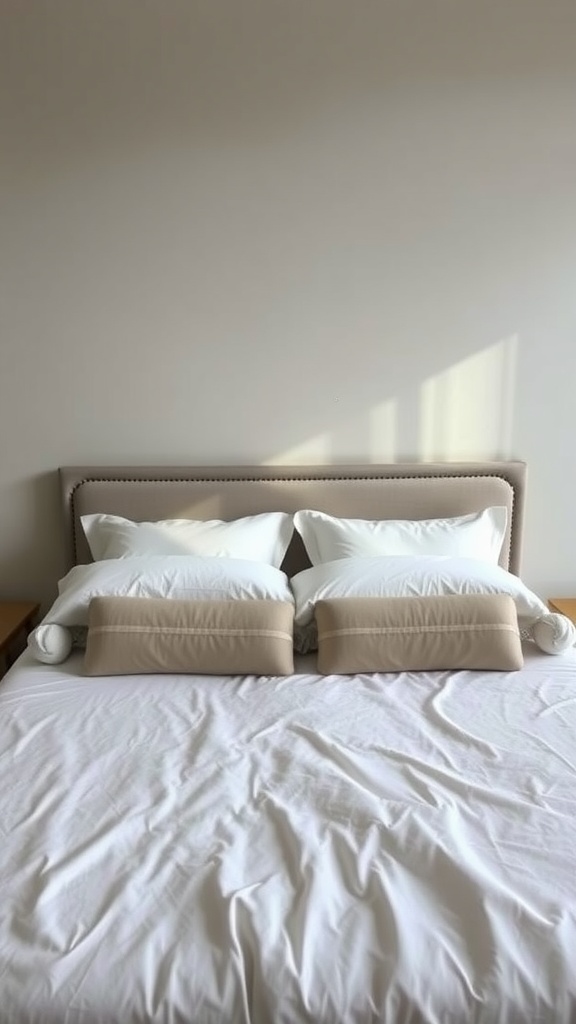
[{"x": 398, "y": 491}]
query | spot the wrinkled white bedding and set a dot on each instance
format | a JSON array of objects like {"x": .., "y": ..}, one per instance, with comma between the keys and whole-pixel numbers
[{"x": 393, "y": 848}]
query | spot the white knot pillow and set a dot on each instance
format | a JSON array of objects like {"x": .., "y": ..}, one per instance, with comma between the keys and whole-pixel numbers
[
  {"x": 50, "y": 643},
  {"x": 554, "y": 633}
]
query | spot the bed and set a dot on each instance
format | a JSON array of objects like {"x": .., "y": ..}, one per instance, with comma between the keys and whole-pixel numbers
[{"x": 393, "y": 847}]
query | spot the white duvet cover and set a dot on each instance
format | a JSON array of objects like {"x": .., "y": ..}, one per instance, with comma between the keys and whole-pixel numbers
[{"x": 391, "y": 849}]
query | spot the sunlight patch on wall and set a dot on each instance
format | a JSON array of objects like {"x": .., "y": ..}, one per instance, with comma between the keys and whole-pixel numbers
[
  {"x": 467, "y": 411},
  {"x": 383, "y": 429},
  {"x": 315, "y": 451}
]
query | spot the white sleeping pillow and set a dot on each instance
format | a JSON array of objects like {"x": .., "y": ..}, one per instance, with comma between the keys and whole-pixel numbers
[
  {"x": 260, "y": 538},
  {"x": 183, "y": 577},
  {"x": 478, "y": 535},
  {"x": 406, "y": 576}
]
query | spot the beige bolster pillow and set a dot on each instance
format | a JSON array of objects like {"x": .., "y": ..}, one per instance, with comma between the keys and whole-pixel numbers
[
  {"x": 142, "y": 634},
  {"x": 395, "y": 634}
]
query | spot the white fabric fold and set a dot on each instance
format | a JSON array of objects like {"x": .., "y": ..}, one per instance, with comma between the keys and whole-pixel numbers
[
  {"x": 50, "y": 643},
  {"x": 554, "y": 633}
]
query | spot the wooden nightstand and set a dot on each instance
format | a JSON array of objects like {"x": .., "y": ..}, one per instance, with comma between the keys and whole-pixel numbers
[
  {"x": 564, "y": 605},
  {"x": 16, "y": 621}
]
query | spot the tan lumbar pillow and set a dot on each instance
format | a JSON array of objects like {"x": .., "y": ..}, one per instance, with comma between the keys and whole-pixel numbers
[
  {"x": 128, "y": 635},
  {"x": 395, "y": 634}
]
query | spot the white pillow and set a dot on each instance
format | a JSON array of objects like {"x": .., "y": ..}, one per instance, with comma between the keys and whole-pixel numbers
[
  {"x": 406, "y": 576},
  {"x": 478, "y": 535},
  {"x": 260, "y": 538},
  {"x": 184, "y": 577}
]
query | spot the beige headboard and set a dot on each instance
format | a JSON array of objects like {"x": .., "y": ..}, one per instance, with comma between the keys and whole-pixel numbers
[{"x": 398, "y": 491}]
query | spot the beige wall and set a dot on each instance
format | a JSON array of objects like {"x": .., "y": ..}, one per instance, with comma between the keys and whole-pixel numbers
[{"x": 286, "y": 230}]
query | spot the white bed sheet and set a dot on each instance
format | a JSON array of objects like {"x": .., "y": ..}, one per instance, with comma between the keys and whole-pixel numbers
[{"x": 393, "y": 848}]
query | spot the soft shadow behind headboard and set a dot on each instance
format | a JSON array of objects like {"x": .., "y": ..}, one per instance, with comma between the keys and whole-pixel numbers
[{"x": 398, "y": 491}]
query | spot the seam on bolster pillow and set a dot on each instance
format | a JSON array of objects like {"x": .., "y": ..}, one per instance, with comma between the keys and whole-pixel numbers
[
  {"x": 134, "y": 635},
  {"x": 437, "y": 628},
  {"x": 395, "y": 634},
  {"x": 190, "y": 631}
]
